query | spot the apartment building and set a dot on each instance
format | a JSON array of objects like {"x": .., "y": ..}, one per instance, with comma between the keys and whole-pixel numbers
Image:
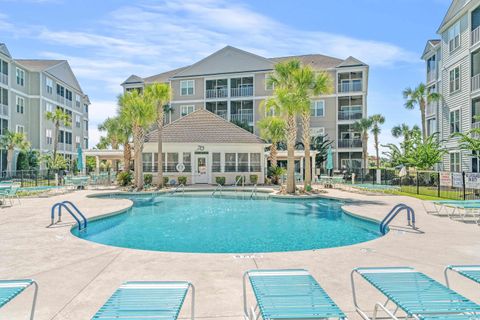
[
  {"x": 232, "y": 83},
  {"x": 453, "y": 70},
  {"x": 30, "y": 88}
]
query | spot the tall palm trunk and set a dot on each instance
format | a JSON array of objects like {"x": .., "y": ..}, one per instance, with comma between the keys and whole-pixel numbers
[
  {"x": 127, "y": 156},
  {"x": 273, "y": 154},
  {"x": 422, "y": 110},
  {"x": 291, "y": 138},
  {"x": 10, "y": 153},
  {"x": 55, "y": 139},
  {"x": 306, "y": 146},
  {"x": 377, "y": 151},
  {"x": 138, "y": 147},
  {"x": 160, "y": 117},
  {"x": 365, "y": 151}
]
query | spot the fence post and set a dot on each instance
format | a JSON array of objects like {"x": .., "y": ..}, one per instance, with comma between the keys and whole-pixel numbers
[
  {"x": 463, "y": 185},
  {"x": 418, "y": 185},
  {"x": 21, "y": 178},
  {"x": 438, "y": 184}
]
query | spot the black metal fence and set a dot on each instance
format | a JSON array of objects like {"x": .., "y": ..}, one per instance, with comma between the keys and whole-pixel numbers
[
  {"x": 31, "y": 178},
  {"x": 441, "y": 184}
]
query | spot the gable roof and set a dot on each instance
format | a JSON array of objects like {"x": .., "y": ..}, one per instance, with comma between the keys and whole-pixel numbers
[
  {"x": 4, "y": 50},
  {"x": 37, "y": 65},
  {"x": 455, "y": 8},
  {"x": 165, "y": 76},
  {"x": 63, "y": 72},
  {"x": 203, "y": 126},
  {"x": 315, "y": 61},
  {"x": 227, "y": 60},
  {"x": 431, "y": 44},
  {"x": 351, "y": 62},
  {"x": 133, "y": 79}
]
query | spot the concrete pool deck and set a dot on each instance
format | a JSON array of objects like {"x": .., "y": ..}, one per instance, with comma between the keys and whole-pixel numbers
[{"x": 76, "y": 276}]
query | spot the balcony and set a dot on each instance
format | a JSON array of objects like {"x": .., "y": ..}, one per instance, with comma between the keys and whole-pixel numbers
[
  {"x": 431, "y": 109},
  {"x": 60, "y": 99},
  {"x": 431, "y": 75},
  {"x": 3, "y": 109},
  {"x": 350, "y": 86},
  {"x": 475, "y": 36},
  {"x": 69, "y": 103},
  {"x": 216, "y": 93},
  {"x": 350, "y": 115},
  {"x": 4, "y": 78},
  {"x": 476, "y": 82},
  {"x": 349, "y": 143},
  {"x": 244, "y": 91},
  {"x": 242, "y": 117}
]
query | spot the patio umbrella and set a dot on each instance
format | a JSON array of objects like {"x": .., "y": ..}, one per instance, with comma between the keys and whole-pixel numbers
[
  {"x": 329, "y": 165},
  {"x": 79, "y": 159}
]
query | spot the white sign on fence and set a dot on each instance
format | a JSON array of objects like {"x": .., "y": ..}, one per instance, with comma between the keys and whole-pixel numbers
[
  {"x": 472, "y": 180},
  {"x": 457, "y": 180},
  {"x": 446, "y": 179}
]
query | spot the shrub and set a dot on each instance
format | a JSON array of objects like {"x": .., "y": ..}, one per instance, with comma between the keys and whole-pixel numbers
[
  {"x": 182, "y": 180},
  {"x": 148, "y": 178},
  {"x": 240, "y": 180},
  {"x": 275, "y": 173},
  {"x": 253, "y": 179},
  {"x": 165, "y": 180},
  {"x": 220, "y": 180},
  {"x": 124, "y": 178}
]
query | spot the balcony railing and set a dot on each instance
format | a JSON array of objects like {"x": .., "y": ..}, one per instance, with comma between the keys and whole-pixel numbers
[
  {"x": 242, "y": 117},
  {"x": 245, "y": 91},
  {"x": 431, "y": 109},
  {"x": 350, "y": 115},
  {"x": 475, "y": 36},
  {"x": 60, "y": 99},
  {"x": 69, "y": 103},
  {"x": 476, "y": 82},
  {"x": 432, "y": 75},
  {"x": 4, "y": 78},
  {"x": 476, "y": 125},
  {"x": 216, "y": 93},
  {"x": 349, "y": 143},
  {"x": 350, "y": 86},
  {"x": 3, "y": 109}
]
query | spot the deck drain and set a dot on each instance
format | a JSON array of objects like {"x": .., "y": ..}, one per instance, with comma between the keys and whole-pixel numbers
[{"x": 247, "y": 256}]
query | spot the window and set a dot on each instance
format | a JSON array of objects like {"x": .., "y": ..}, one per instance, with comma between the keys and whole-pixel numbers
[
  {"x": 216, "y": 162},
  {"x": 77, "y": 142},
  {"x": 77, "y": 121},
  {"x": 19, "y": 129},
  {"x": 70, "y": 117},
  {"x": 49, "y": 107},
  {"x": 68, "y": 137},
  {"x": 187, "y": 87},
  {"x": 455, "y": 162},
  {"x": 77, "y": 101},
  {"x": 60, "y": 90},
  {"x": 61, "y": 136},
  {"x": 243, "y": 162},
  {"x": 85, "y": 142},
  {"x": 431, "y": 126},
  {"x": 455, "y": 80},
  {"x": 85, "y": 108},
  {"x": 172, "y": 161},
  {"x": 317, "y": 108},
  {"x": 4, "y": 126},
  {"x": 4, "y": 96},
  {"x": 255, "y": 162},
  {"x": 317, "y": 132},
  {"x": 454, "y": 121},
  {"x": 48, "y": 135},
  {"x": 68, "y": 94},
  {"x": 268, "y": 85},
  {"x": 475, "y": 162},
  {"x": 4, "y": 68},
  {"x": 20, "y": 105},
  {"x": 220, "y": 108},
  {"x": 147, "y": 162},
  {"x": 187, "y": 109},
  {"x": 187, "y": 161},
  {"x": 230, "y": 162},
  {"x": 454, "y": 37},
  {"x": 85, "y": 123},
  {"x": 20, "y": 77},
  {"x": 49, "y": 85}
]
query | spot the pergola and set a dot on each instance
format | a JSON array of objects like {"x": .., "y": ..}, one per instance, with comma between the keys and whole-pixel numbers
[{"x": 104, "y": 154}]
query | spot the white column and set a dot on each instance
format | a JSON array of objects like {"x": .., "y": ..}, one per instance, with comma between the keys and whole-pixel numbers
[
  {"x": 314, "y": 169},
  {"x": 84, "y": 161},
  {"x": 301, "y": 168},
  {"x": 97, "y": 164}
]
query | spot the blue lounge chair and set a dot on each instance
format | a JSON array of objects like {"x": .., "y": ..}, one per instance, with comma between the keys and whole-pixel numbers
[
  {"x": 418, "y": 295},
  {"x": 471, "y": 272},
  {"x": 9, "y": 289},
  {"x": 147, "y": 300},
  {"x": 288, "y": 294}
]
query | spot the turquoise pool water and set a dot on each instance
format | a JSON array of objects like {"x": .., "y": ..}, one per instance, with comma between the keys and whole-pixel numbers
[{"x": 229, "y": 225}]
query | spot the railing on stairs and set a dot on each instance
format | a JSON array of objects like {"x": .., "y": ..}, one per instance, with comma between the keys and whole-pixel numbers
[
  {"x": 394, "y": 212},
  {"x": 72, "y": 210}
]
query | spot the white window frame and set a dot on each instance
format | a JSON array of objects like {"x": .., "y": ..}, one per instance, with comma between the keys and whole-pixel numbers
[
  {"x": 317, "y": 131},
  {"x": 48, "y": 107},
  {"x": 20, "y": 76},
  {"x": 49, "y": 85},
  {"x": 77, "y": 142},
  {"x": 454, "y": 82},
  {"x": 458, "y": 119},
  {"x": 48, "y": 136},
  {"x": 186, "y": 109},
  {"x": 20, "y": 107},
  {"x": 454, "y": 38},
  {"x": 185, "y": 84},
  {"x": 19, "y": 128},
  {"x": 314, "y": 109},
  {"x": 78, "y": 100},
  {"x": 454, "y": 165},
  {"x": 78, "y": 121}
]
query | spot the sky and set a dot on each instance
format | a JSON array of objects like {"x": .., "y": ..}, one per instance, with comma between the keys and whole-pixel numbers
[{"x": 108, "y": 40}]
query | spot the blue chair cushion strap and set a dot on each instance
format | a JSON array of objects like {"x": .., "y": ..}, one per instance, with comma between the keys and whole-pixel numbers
[
  {"x": 145, "y": 300},
  {"x": 471, "y": 272},
  {"x": 287, "y": 294},
  {"x": 9, "y": 289}
]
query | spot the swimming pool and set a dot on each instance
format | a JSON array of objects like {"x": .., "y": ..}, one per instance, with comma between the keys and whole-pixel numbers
[{"x": 204, "y": 224}]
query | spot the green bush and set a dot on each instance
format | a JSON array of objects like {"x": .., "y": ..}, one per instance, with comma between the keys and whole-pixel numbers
[
  {"x": 253, "y": 179},
  {"x": 220, "y": 180},
  {"x": 165, "y": 180},
  {"x": 182, "y": 180},
  {"x": 240, "y": 179},
  {"x": 148, "y": 178},
  {"x": 124, "y": 178}
]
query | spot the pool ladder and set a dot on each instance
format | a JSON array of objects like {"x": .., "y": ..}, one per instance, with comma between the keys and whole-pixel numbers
[
  {"x": 394, "y": 212},
  {"x": 180, "y": 186},
  {"x": 254, "y": 192},
  {"x": 218, "y": 188},
  {"x": 74, "y": 212}
]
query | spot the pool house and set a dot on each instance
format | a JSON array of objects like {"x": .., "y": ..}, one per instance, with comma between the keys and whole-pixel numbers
[{"x": 202, "y": 146}]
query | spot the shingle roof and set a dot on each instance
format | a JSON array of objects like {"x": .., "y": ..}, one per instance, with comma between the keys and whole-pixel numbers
[
  {"x": 316, "y": 61},
  {"x": 351, "y": 62},
  {"x": 202, "y": 126},
  {"x": 37, "y": 65},
  {"x": 133, "y": 79},
  {"x": 4, "y": 50},
  {"x": 165, "y": 76}
]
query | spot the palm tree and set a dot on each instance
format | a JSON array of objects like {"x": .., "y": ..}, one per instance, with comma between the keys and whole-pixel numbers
[
  {"x": 140, "y": 113},
  {"x": 420, "y": 96},
  {"x": 363, "y": 126},
  {"x": 113, "y": 127},
  {"x": 11, "y": 141},
  {"x": 272, "y": 129},
  {"x": 377, "y": 120},
  {"x": 159, "y": 94},
  {"x": 58, "y": 117},
  {"x": 310, "y": 84}
]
